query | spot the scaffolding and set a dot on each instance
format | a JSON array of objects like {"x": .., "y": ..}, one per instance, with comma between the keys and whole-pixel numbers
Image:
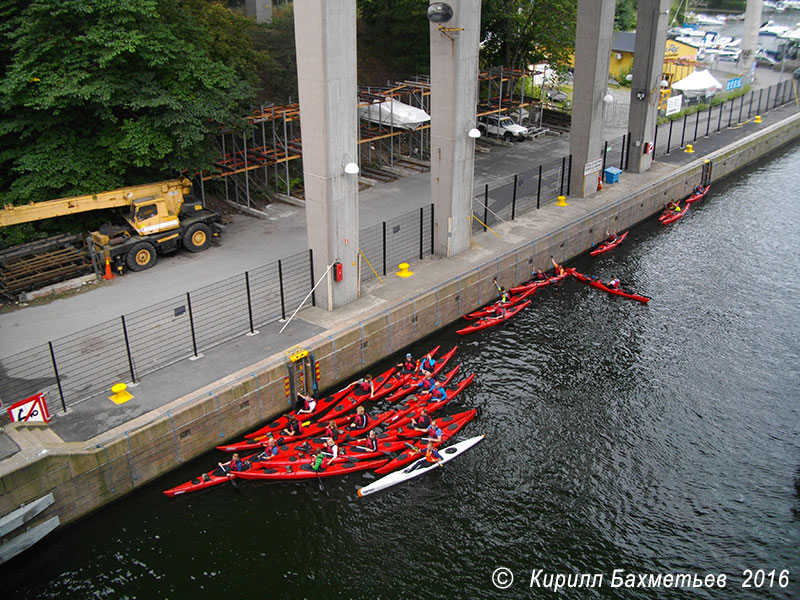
[{"x": 258, "y": 156}]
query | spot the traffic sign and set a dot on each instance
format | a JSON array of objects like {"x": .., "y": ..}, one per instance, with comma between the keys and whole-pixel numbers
[{"x": 30, "y": 409}]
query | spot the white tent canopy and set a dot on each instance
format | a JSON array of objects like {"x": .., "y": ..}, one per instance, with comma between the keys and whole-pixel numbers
[{"x": 698, "y": 84}]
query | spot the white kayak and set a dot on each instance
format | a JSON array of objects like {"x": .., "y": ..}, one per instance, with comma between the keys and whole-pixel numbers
[{"x": 418, "y": 467}]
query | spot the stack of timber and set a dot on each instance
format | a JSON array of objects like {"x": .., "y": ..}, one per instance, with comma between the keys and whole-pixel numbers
[{"x": 44, "y": 262}]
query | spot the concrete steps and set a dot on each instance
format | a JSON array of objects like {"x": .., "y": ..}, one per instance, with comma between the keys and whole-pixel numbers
[{"x": 33, "y": 435}]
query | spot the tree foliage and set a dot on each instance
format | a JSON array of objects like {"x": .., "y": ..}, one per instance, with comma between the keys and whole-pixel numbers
[
  {"x": 98, "y": 94},
  {"x": 398, "y": 31},
  {"x": 625, "y": 15}
]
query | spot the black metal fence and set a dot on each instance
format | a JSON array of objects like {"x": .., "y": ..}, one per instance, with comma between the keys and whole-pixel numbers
[{"x": 79, "y": 365}]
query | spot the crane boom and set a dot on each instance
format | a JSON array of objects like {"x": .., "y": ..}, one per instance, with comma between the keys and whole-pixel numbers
[{"x": 36, "y": 211}]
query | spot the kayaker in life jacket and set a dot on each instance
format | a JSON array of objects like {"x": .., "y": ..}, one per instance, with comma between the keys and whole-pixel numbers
[
  {"x": 613, "y": 284},
  {"x": 360, "y": 420},
  {"x": 270, "y": 449},
  {"x": 673, "y": 206},
  {"x": 558, "y": 268},
  {"x": 612, "y": 237},
  {"x": 438, "y": 392},
  {"x": 499, "y": 311},
  {"x": 294, "y": 428},
  {"x": 307, "y": 404},
  {"x": 369, "y": 443},
  {"x": 331, "y": 451},
  {"x": 427, "y": 364},
  {"x": 431, "y": 455},
  {"x": 539, "y": 275},
  {"x": 433, "y": 432},
  {"x": 233, "y": 465},
  {"x": 332, "y": 432},
  {"x": 426, "y": 385},
  {"x": 422, "y": 422},
  {"x": 365, "y": 385},
  {"x": 409, "y": 365}
]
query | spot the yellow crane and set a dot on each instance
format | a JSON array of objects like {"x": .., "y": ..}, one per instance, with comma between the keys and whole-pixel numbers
[{"x": 161, "y": 217}]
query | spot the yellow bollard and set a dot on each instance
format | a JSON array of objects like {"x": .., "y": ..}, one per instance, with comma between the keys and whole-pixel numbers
[
  {"x": 562, "y": 201},
  {"x": 689, "y": 149},
  {"x": 404, "y": 272},
  {"x": 120, "y": 393},
  {"x": 757, "y": 119}
]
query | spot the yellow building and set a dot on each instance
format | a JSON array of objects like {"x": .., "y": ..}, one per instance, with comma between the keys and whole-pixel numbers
[{"x": 679, "y": 58}]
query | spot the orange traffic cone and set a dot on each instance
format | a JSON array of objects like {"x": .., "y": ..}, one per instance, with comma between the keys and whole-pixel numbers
[
  {"x": 599, "y": 184},
  {"x": 108, "y": 274}
]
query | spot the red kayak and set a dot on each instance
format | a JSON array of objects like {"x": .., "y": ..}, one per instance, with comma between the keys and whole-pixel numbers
[
  {"x": 596, "y": 283},
  {"x": 670, "y": 216},
  {"x": 538, "y": 283},
  {"x": 304, "y": 471},
  {"x": 412, "y": 388},
  {"x": 448, "y": 430},
  {"x": 488, "y": 311},
  {"x": 698, "y": 195},
  {"x": 608, "y": 245},
  {"x": 424, "y": 402},
  {"x": 487, "y": 322}
]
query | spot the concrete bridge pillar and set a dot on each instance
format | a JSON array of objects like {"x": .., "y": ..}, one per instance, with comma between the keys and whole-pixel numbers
[
  {"x": 594, "y": 34},
  {"x": 648, "y": 66},
  {"x": 454, "y": 94},
  {"x": 325, "y": 32},
  {"x": 752, "y": 23}
]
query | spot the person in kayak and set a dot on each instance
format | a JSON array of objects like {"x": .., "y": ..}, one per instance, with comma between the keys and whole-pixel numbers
[
  {"x": 365, "y": 385},
  {"x": 613, "y": 284},
  {"x": 426, "y": 385},
  {"x": 331, "y": 450},
  {"x": 269, "y": 449},
  {"x": 360, "y": 420},
  {"x": 558, "y": 268},
  {"x": 438, "y": 392},
  {"x": 294, "y": 428},
  {"x": 426, "y": 365},
  {"x": 233, "y": 465},
  {"x": 501, "y": 291},
  {"x": 409, "y": 365},
  {"x": 612, "y": 237},
  {"x": 422, "y": 422},
  {"x": 433, "y": 433},
  {"x": 674, "y": 207},
  {"x": 431, "y": 456},
  {"x": 369, "y": 443},
  {"x": 539, "y": 275},
  {"x": 332, "y": 432},
  {"x": 307, "y": 404},
  {"x": 498, "y": 312}
]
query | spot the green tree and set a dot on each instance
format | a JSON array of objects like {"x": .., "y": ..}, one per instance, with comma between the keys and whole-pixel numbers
[
  {"x": 398, "y": 31},
  {"x": 97, "y": 94},
  {"x": 625, "y": 15}
]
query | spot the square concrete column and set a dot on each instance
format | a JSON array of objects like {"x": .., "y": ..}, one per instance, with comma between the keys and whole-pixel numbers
[
  {"x": 454, "y": 97},
  {"x": 325, "y": 35},
  {"x": 648, "y": 67},
  {"x": 593, "y": 37},
  {"x": 752, "y": 23},
  {"x": 260, "y": 10}
]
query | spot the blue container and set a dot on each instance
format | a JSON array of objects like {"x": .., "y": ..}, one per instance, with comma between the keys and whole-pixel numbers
[{"x": 612, "y": 174}]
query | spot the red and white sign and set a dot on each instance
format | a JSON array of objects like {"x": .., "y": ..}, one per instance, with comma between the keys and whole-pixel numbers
[{"x": 30, "y": 409}]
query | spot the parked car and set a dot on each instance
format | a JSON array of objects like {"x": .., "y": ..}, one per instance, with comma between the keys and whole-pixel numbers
[
  {"x": 556, "y": 96},
  {"x": 763, "y": 60},
  {"x": 502, "y": 126}
]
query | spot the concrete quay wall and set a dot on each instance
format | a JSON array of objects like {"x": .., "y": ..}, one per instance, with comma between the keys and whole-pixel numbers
[{"x": 85, "y": 476}]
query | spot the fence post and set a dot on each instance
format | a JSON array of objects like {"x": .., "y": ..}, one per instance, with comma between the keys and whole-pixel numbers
[
  {"x": 384, "y": 248},
  {"x": 191, "y": 324},
  {"x": 421, "y": 224},
  {"x": 485, "y": 205},
  {"x": 708, "y": 119},
  {"x": 750, "y": 105},
  {"x": 311, "y": 265},
  {"x": 766, "y": 104},
  {"x": 431, "y": 229},
  {"x": 741, "y": 106},
  {"x": 730, "y": 113},
  {"x": 655, "y": 141},
  {"x": 514, "y": 198},
  {"x": 719, "y": 119},
  {"x": 249, "y": 301},
  {"x": 539, "y": 188},
  {"x": 563, "y": 166},
  {"x": 628, "y": 151},
  {"x": 696, "y": 123},
  {"x": 605, "y": 152},
  {"x": 622, "y": 154},
  {"x": 569, "y": 171},
  {"x": 683, "y": 131},
  {"x": 280, "y": 282},
  {"x": 758, "y": 108},
  {"x": 669, "y": 137},
  {"x": 128, "y": 348},
  {"x": 58, "y": 378}
]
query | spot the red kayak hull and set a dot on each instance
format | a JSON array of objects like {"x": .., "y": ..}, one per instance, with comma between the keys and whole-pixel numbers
[
  {"x": 606, "y": 246},
  {"x": 489, "y": 310},
  {"x": 601, "y": 286},
  {"x": 670, "y": 216},
  {"x": 304, "y": 471},
  {"x": 698, "y": 195},
  {"x": 487, "y": 322}
]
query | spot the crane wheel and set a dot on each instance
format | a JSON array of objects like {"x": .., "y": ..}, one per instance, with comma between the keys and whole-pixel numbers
[
  {"x": 197, "y": 238},
  {"x": 142, "y": 256}
]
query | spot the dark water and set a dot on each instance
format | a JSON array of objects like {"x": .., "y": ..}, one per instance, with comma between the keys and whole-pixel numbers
[{"x": 654, "y": 439}]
